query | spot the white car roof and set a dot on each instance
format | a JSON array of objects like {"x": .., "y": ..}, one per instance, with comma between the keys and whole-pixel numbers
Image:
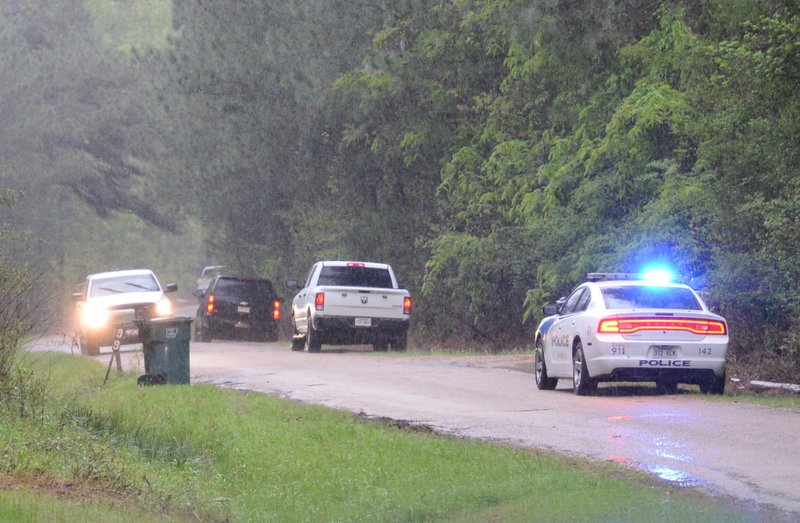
[
  {"x": 371, "y": 265},
  {"x": 129, "y": 272}
]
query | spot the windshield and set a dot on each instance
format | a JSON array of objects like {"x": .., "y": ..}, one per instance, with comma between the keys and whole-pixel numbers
[
  {"x": 355, "y": 277},
  {"x": 122, "y": 284},
  {"x": 650, "y": 297}
]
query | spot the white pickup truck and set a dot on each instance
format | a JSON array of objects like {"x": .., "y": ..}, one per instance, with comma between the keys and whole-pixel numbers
[{"x": 345, "y": 303}]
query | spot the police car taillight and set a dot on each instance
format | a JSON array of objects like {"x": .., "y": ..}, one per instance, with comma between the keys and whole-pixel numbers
[{"x": 631, "y": 325}]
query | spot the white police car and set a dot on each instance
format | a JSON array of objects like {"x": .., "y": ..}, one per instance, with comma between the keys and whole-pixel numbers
[{"x": 625, "y": 327}]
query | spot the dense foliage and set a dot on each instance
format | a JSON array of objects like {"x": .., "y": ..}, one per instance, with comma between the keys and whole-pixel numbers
[{"x": 494, "y": 151}]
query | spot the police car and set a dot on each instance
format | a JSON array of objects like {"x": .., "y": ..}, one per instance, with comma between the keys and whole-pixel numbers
[{"x": 627, "y": 327}]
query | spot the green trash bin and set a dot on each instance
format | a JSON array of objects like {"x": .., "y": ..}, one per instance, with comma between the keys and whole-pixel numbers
[{"x": 166, "y": 350}]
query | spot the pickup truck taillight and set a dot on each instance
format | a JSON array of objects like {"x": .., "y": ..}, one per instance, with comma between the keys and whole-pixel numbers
[
  {"x": 406, "y": 305},
  {"x": 276, "y": 310},
  {"x": 319, "y": 301},
  {"x": 210, "y": 306}
]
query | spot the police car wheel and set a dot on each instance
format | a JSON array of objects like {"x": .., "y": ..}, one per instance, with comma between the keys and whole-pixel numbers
[
  {"x": 714, "y": 385},
  {"x": 667, "y": 387},
  {"x": 582, "y": 383},
  {"x": 543, "y": 382}
]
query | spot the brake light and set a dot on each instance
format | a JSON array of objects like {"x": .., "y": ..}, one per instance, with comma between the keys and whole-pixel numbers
[
  {"x": 631, "y": 325},
  {"x": 276, "y": 310},
  {"x": 210, "y": 306},
  {"x": 406, "y": 305},
  {"x": 319, "y": 301},
  {"x": 356, "y": 264}
]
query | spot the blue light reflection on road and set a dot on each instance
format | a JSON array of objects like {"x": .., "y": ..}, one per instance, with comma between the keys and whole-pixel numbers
[
  {"x": 660, "y": 447},
  {"x": 674, "y": 476}
]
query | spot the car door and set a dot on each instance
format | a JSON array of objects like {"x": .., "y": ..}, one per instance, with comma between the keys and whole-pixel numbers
[{"x": 562, "y": 333}]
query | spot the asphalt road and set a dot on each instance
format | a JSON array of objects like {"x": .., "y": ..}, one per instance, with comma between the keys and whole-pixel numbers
[{"x": 745, "y": 451}]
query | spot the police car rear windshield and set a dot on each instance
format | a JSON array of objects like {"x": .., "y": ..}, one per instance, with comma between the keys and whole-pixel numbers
[{"x": 650, "y": 297}]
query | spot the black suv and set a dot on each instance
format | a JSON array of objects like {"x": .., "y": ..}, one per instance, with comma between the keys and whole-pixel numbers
[{"x": 241, "y": 308}]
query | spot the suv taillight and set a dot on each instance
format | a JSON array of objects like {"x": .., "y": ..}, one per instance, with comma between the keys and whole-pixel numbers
[
  {"x": 276, "y": 310},
  {"x": 210, "y": 306}
]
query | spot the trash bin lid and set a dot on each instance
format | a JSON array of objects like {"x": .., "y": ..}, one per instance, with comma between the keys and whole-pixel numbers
[{"x": 176, "y": 328}]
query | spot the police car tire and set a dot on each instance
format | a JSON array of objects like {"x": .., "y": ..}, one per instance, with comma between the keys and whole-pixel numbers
[
  {"x": 543, "y": 382},
  {"x": 666, "y": 387},
  {"x": 715, "y": 385},
  {"x": 584, "y": 384},
  {"x": 400, "y": 343}
]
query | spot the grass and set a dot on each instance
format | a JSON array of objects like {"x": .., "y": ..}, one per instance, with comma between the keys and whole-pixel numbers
[
  {"x": 198, "y": 452},
  {"x": 22, "y": 505}
]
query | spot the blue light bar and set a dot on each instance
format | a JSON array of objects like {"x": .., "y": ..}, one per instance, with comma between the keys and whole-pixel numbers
[{"x": 657, "y": 276}]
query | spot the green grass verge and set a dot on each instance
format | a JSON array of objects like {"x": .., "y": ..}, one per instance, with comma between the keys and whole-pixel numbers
[
  {"x": 187, "y": 452},
  {"x": 22, "y": 505}
]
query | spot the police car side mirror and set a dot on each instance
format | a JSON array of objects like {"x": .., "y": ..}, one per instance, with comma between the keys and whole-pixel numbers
[{"x": 550, "y": 309}]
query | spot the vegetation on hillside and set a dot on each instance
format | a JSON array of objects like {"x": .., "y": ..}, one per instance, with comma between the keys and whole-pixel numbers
[{"x": 494, "y": 151}]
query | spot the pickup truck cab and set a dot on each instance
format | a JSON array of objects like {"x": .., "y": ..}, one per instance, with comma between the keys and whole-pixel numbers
[{"x": 346, "y": 303}]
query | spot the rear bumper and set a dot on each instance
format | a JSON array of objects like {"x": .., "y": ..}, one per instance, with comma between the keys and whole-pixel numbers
[
  {"x": 688, "y": 362},
  {"x": 223, "y": 324},
  {"x": 691, "y": 376},
  {"x": 343, "y": 330}
]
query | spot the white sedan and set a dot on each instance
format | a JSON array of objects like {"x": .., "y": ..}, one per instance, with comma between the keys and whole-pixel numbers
[{"x": 620, "y": 327}]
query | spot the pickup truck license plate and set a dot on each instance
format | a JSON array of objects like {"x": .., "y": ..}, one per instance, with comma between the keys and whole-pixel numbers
[
  {"x": 663, "y": 351},
  {"x": 244, "y": 309},
  {"x": 363, "y": 322}
]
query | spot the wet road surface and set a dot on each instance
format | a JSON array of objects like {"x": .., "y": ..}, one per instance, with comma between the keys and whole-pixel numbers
[{"x": 746, "y": 451}]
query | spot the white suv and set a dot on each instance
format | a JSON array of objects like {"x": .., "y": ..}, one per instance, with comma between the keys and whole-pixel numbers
[{"x": 109, "y": 301}]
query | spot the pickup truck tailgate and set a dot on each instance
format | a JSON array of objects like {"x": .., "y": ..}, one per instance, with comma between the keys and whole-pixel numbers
[{"x": 375, "y": 303}]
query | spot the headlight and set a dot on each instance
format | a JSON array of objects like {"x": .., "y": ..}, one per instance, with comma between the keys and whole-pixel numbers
[
  {"x": 94, "y": 316},
  {"x": 164, "y": 307}
]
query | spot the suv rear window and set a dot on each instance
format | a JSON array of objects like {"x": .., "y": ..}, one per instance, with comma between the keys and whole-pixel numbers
[
  {"x": 355, "y": 277},
  {"x": 247, "y": 290},
  {"x": 650, "y": 297}
]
